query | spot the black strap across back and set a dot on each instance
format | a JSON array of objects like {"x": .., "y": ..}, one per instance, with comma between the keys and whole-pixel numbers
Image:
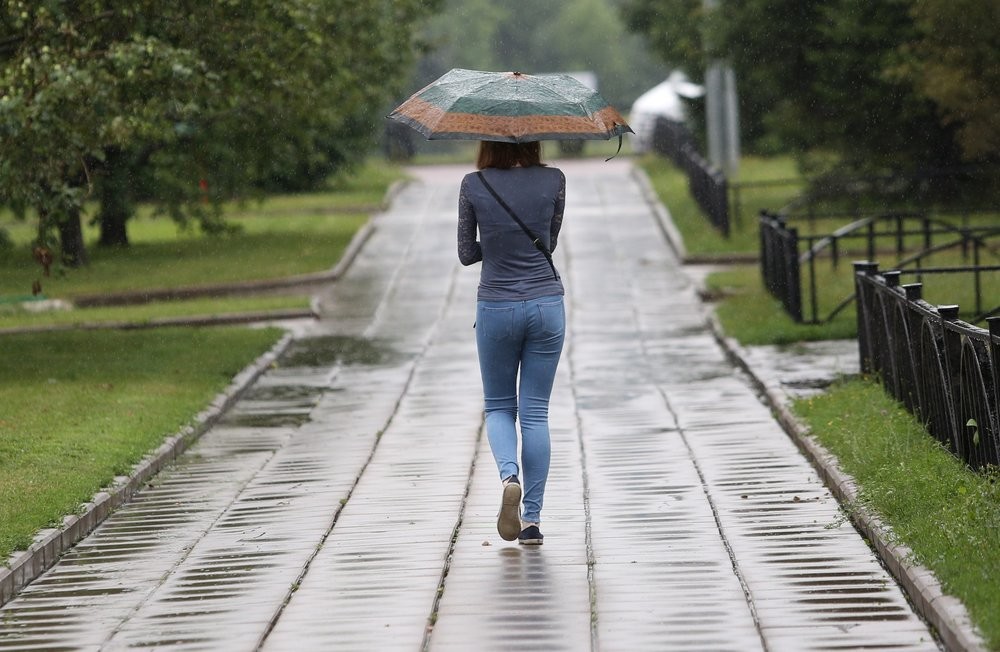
[{"x": 535, "y": 240}]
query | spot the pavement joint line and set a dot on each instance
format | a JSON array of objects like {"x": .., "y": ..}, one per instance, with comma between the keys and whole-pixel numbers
[
  {"x": 442, "y": 583},
  {"x": 167, "y": 573},
  {"x": 751, "y": 605},
  {"x": 333, "y": 522},
  {"x": 390, "y": 286},
  {"x": 671, "y": 234},
  {"x": 948, "y": 617},
  {"x": 588, "y": 523},
  {"x": 44, "y": 552}
]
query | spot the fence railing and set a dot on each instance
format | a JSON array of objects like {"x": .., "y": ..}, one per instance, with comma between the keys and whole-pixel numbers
[
  {"x": 707, "y": 183},
  {"x": 782, "y": 264},
  {"x": 944, "y": 370},
  {"x": 779, "y": 263}
]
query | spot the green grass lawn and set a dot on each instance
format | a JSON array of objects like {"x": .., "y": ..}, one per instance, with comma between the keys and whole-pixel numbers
[
  {"x": 752, "y": 316},
  {"x": 137, "y": 388},
  {"x": 700, "y": 238},
  {"x": 946, "y": 514},
  {"x": 283, "y": 235}
]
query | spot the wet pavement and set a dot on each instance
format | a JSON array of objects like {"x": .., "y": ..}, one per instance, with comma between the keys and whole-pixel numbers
[{"x": 348, "y": 501}]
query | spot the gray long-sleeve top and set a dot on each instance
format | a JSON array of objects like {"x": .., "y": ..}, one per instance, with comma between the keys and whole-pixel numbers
[{"x": 513, "y": 268}]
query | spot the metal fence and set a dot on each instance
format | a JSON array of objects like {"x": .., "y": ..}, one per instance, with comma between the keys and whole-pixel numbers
[
  {"x": 707, "y": 183},
  {"x": 782, "y": 264},
  {"x": 779, "y": 263},
  {"x": 944, "y": 370}
]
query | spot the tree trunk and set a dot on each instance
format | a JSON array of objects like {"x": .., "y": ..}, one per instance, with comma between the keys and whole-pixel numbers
[
  {"x": 114, "y": 193},
  {"x": 74, "y": 250}
]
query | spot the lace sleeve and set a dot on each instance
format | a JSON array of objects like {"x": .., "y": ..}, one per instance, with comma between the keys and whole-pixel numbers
[
  {"x": 469, "y": 251},
  {"x": 557, "y": 216}
]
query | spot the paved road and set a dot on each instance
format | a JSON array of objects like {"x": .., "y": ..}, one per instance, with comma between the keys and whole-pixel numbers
[{"x": 348, "y": 501}]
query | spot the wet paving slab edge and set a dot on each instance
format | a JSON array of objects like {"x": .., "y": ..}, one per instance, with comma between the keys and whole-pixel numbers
[
  {"x": 49, "y": 545},
  {"x": 946, "y": 614}
]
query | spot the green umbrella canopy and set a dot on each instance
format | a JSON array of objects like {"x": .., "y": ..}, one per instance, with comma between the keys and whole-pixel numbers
[{"x": 510, "y": 107}]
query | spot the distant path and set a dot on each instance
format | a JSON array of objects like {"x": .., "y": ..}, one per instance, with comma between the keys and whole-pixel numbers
[{"x": 349, "y": 501}]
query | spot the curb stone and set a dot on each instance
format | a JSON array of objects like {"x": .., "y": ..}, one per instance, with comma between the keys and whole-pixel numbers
[
  {"x": 50, "y": 544},
  {"x": 673, "y": 235},
  {"x": 945, "y": 613},
  {"x": 214, "y": 320},
  {"x": 663, "y": 217}
]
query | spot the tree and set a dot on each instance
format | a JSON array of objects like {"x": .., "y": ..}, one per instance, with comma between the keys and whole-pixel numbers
[
  {"x": 824, "y": 76},
  {"x": 72, "y": 82},
  {"x": 302, "y": 85},
  {"x": 537, "y": 37},
  {"x": 178, "y": 94},
  {"x": 674, "y": 30},
  {"x": 955, "y": 61}
]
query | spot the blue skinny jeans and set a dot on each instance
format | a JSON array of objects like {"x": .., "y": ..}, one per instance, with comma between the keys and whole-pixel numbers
[{"x": 526, "y": 337}]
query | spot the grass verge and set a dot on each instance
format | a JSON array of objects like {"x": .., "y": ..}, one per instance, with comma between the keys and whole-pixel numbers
[
  {"x": 284, "y": 235},
  {"x": 16, "y": 317},
  {"x": 157, "y": 258},
  {"x": 138, "y": 388},
  {"x": 946, "y": 514},
  {"x": 752, "y": 315},
  {"x": 748, "y": 313},
  {"x": 700, "y": 238}
]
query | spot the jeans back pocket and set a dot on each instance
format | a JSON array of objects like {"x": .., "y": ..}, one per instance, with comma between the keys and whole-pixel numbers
[
  {"x": 495, "y": 323},
  {"x": 552, "y": 317}
]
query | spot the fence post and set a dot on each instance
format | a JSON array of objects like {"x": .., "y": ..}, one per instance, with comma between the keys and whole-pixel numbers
[
  {"x": 793, "y": 283},
  {"x": 952, "y": 342},
  {"x": 863, "y": 269},
  {"x": 912, "y": 321},
  {"x": 993, "y": 323}
]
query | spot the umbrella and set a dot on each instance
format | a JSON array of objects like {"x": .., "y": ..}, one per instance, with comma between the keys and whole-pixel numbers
[{"x": 510, "y": 107}]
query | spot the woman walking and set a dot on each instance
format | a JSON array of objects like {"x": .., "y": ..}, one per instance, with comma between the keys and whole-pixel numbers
[{"x": 516, "y": 203}]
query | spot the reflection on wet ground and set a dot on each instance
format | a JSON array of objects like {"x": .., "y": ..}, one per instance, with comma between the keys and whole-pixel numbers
[
  {"x": 348, "y": 500},
  {"x": 327, "y": 350}
]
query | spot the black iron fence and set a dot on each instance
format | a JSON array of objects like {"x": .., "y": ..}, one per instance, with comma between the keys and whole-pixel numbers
[
  {"x": 707, "y": 183},
  {"x": 779, "y": 263},
  {"x": 783, "y": 264},
  {"x": 944, "y": 370}
]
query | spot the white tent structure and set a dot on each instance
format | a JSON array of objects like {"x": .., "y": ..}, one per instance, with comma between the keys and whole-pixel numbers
[{"x": 665, "y": 100}]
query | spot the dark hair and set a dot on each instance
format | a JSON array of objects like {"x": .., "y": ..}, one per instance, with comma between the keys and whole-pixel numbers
[{"x": 494, "y": 154}]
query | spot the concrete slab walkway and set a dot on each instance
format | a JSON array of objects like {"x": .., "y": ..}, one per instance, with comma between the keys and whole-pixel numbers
[{"x": 348, "y": 501}]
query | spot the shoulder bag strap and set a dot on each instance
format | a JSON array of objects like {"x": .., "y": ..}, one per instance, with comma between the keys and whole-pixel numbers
[{"x": 535, "y": 240}]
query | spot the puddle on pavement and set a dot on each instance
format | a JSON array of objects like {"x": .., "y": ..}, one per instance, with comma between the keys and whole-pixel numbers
[
  {"x": 287, "y": 393},
  {"x": 328, "y": 350},
  {"x": 268, "y": 405},
  {"x": 265, "y": 420}
]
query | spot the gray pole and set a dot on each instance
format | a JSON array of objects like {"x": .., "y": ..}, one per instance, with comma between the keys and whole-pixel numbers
[{"x": 722, "y": 113}]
